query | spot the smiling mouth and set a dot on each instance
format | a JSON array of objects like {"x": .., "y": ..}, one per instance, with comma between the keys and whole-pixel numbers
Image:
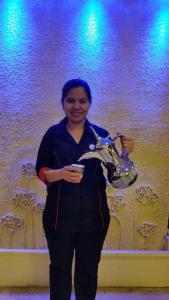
[{"x": 76, "y": 113}]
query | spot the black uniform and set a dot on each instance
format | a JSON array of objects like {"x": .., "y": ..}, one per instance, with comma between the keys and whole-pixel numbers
[{"x": 76, "y": 216}]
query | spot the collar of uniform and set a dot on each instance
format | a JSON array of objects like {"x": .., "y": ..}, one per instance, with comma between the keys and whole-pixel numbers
[{"x": 60, "y": 128}]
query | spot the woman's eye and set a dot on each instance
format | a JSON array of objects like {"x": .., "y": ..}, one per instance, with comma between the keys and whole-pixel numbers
[
  {"x": 69, "y": 100},
  {"x": 83, "y": 101},
  {"x": 80, "y": 101}
]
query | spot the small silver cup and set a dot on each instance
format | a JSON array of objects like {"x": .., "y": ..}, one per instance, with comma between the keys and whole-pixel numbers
[{"x": 79, "y": 169}]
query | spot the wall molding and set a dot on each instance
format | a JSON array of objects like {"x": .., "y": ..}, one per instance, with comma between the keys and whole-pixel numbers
[{"x": 120, "y": 268}]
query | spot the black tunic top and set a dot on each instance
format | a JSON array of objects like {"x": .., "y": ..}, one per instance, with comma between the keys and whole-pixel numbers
[{"x": 72, "y": 206}]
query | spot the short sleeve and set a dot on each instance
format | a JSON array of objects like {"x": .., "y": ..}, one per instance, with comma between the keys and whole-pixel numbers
[{"x": 44, "y": 157}]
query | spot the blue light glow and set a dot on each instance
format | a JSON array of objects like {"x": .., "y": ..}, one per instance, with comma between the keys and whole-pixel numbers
[
  {"x": 92, "y": 32},
  {"x": 159, "y": 35},
  {"x": 92, "y": 24},
  {"x": 16, "y": 38},
  {"x": 153, "y": 71},
  {"x": 13, "y": 24}
]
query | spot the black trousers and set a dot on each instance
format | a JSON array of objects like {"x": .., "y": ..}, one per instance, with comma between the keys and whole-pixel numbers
[{"x": 87, "y": 247}]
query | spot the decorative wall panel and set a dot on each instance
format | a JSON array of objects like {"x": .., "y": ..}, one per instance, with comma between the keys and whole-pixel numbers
[{"x": 121, "y": 49}]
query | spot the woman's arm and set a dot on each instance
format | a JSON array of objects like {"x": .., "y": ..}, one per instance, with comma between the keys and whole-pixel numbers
[
  {"x": 44, "y": 164},
  {"x": 44, "y": 159},
  {"x": 66, "y": 173}
]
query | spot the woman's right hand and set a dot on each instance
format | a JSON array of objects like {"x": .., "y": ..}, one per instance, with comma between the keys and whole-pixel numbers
[{"x": 69, "y": 174}]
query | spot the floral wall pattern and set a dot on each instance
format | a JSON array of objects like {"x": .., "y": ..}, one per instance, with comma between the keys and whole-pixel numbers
[
  {"x": 30, "y": 208},
  {"x": 125, "y": 60}
]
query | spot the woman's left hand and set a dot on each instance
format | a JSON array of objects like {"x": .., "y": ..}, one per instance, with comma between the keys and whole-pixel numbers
[{"x": 128, "y": 143}]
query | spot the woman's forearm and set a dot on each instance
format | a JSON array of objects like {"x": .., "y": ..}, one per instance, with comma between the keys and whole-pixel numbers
[
  {"x": 53, "y": 175},
  {"x": 67, "y": 173}
]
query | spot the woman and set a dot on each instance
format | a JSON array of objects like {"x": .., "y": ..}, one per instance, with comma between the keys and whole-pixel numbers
[{"x": 76, "y": 215}]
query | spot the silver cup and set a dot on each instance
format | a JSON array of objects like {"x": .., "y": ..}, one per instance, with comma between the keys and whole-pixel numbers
[{"x": 79, "y": 169}]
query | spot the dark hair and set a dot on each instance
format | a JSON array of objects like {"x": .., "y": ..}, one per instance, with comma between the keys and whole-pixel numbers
[{"x": 73, "y": 83}]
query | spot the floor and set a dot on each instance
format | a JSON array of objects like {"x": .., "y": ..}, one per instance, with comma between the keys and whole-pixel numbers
[{"x": 107, "y": 294}]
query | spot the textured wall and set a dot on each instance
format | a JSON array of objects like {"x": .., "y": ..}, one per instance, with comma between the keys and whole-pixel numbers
[{"x": 121, "y": 49}]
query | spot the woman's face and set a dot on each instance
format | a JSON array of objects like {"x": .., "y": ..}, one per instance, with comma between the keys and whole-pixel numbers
[{"x": 76, "y": 105}]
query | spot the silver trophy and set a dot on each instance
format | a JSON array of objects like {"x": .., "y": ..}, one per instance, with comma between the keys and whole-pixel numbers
[{"x": 121, "y": 171}]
